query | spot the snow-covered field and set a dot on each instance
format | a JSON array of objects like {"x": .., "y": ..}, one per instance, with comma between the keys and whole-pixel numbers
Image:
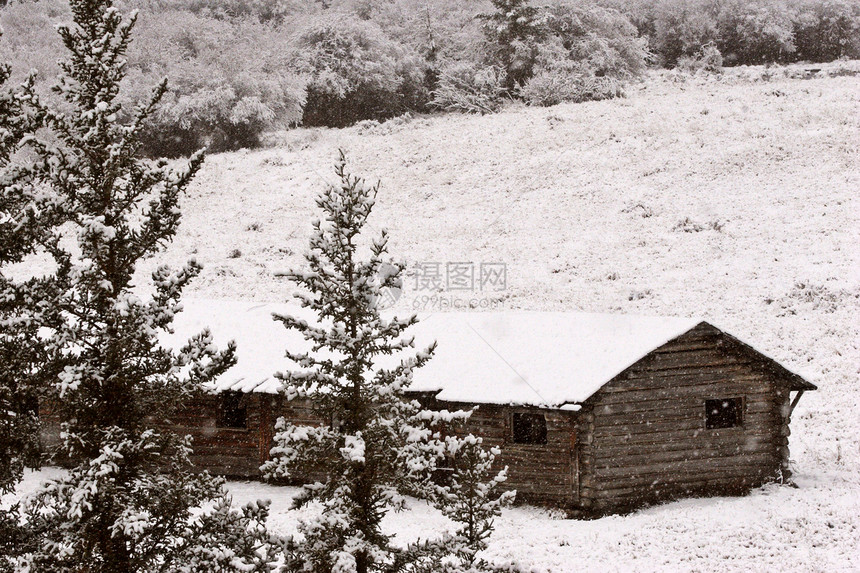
[{"x": 736, "y": 201}]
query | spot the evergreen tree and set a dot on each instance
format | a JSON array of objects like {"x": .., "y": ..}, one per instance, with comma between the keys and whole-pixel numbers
[
  {"x": 378, "y": 445},
  {"x": 471, "y": 499},
  {"x": 131, "y": 501},
  {"x": 514, "y": 31}
]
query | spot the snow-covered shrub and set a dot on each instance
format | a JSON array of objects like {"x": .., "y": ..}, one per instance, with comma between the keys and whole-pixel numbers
[
  {"x": 563, "y": 52},
  {"x": 679, "y": 29},
  {"x": 749, "y": 31},
  {"x": 744, "y": 31},
  {"x": 826, "y": 30},
  {"x": 755, "y": 32},
  {"x": 707, "y": 60},
  {"x": 559, "y": 78},
  {"x": 220, "y": 96},
  {"x": 230, "y": 78},
  {"x": 265, "y": 11},
  {"x": 601, "y": 39},
  {"x": 356, "y": 72},
  {"x": 469, "y": 87}
]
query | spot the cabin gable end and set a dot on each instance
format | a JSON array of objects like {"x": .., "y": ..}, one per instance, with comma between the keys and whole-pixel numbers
[{"x": 702, "y": 414}]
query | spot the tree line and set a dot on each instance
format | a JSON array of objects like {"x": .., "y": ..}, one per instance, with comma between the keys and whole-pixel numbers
[{"x": 240, "y": 69}]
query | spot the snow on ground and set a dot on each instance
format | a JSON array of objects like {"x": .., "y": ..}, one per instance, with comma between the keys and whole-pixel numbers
[
  {"x": 735, "y": 201},
  {"x": 777, "y": 528},
  {"x": 811, "y": 528}
]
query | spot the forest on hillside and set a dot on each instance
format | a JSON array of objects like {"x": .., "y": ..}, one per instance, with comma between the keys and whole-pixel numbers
[{"x": 240, "y": 68}]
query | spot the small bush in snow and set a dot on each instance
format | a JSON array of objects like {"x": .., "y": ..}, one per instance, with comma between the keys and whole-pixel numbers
[
  {"x": 470, "y": 88},
  {"x": 559, "y": 79},
  {"x": 470, "y": 500},
  {"x": 707, "y": 60},
  {"x": 561, "y": 52},
  {"x": 355, "y": 73}
]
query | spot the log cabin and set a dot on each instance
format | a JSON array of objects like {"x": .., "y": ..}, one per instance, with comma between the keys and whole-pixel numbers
[{"x": 594, "y": 413}]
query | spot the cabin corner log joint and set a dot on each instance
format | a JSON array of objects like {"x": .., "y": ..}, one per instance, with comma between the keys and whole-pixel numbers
[{"x": 594, "y": 413}]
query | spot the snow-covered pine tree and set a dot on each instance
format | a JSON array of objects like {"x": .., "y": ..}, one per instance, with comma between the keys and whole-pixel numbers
[
  {"x": 372, "y": 449},
  {"x": 471, "y": 499},
  {"x": 131, "y": 501},
  {"x": 513, "y": 30},
  {"x": 379, "y": 444}
]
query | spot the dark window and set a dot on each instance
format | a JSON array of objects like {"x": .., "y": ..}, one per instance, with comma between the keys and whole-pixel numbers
[
  {"x": 723, "y": 413},
  {"x": 529, "y": 428},
  {"x": 233, "y": 413}
]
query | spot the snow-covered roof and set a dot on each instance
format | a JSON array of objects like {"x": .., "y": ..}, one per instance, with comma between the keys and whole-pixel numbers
[
  {"x": 513, "y": 357},
  {"x": 536, "y": 358}
]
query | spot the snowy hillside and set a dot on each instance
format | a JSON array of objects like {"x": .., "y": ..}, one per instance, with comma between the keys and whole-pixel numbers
[{"x": 733, "y": 201}]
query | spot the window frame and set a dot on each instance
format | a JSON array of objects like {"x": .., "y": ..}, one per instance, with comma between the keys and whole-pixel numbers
[
  {"x": 513, "y": 433},
  {"x": 739, "y": 409}
]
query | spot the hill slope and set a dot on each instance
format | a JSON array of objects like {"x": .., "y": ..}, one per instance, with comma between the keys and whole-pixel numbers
[{"x": 734, "y": 201}]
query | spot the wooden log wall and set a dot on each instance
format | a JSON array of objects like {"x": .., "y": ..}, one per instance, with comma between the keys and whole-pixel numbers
[
  {"x": 540, "y": 473},
  {"x": 644, "y": 438},
  {"x": 544, "y": 473},
  {"x": 232, "y": 452},
  {"x": 236, "y": 452}
]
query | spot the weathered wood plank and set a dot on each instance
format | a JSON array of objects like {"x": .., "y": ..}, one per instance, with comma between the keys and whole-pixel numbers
[
  {"x": 754, "y": 412},
  {"x": 737, "y": 433},
  {"x": 654, "y": 470},
  {"x": 753, "y": 476},
  {"x": 729, "y": 485},
  {"x": 685, "y": 387},
  {"x": 692, "y": 344},
  {"x": 709, "y": 442},
  {"x": 750, "y": 478},
  {"x": 621, "y": 402},
  {"x": 631, "y": 460}
]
